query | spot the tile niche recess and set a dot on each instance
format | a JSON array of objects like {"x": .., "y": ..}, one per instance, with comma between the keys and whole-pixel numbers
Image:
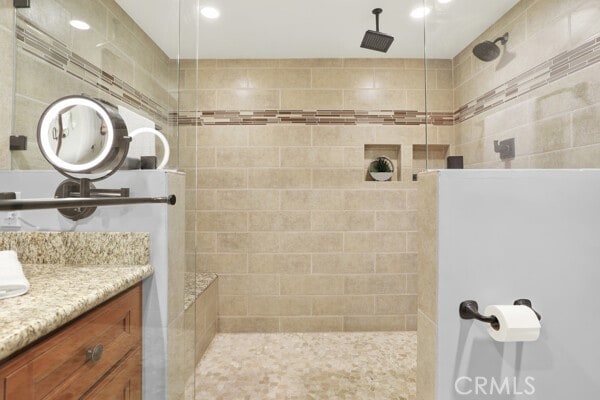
[{"x": 391, "y": 151}]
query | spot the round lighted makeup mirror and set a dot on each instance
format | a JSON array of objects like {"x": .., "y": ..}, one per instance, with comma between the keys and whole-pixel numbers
[{"x": 81, "y": 135}]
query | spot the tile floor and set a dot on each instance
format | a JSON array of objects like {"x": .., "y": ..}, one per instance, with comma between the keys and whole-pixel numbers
[{"x": 370, "y": 365}]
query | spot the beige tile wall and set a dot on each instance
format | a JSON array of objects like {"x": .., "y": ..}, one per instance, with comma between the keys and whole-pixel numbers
[
  {"x": 283, "y": 214},
  {"x": 114, "y": 43},
  {"x": 6, "y": 79},
  {"x": 556, "y": 126}
]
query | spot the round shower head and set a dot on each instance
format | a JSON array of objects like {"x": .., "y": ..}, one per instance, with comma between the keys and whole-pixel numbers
[{"x": 488, "y": 51}]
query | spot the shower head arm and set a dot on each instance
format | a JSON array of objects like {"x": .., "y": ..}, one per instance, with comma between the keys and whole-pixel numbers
[
  {"x": 502, "y": 39},
  {"x": 377, "y": 11}
]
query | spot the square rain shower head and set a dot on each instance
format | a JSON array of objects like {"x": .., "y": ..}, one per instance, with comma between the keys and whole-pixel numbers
[{"x": 374, "y": 40}]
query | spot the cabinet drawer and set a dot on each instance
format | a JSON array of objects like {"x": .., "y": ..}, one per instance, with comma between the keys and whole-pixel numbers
[
  {"x": 60, "y": 368},
  {"x": 124, "y": 382}
]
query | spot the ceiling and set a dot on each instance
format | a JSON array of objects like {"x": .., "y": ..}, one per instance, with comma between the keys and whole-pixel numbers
[{"x": 310, "y": 28}]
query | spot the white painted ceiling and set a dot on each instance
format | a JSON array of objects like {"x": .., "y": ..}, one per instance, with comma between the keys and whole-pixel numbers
[{"x": 310, "y": 28}]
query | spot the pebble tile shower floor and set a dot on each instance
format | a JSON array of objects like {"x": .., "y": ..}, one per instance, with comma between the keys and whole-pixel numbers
[{"x": 254, "y": 366}]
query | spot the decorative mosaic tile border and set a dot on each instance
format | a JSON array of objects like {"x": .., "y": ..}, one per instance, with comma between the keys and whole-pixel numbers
[
  {"x": 558, "y": 67},
  {"x": 35, "y": 41},
  {"x": 318, "y": 117}
]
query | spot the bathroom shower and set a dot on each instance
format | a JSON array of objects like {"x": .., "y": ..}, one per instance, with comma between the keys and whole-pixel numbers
[
  {"x": 489, "y": 51},
  {"x": 375, "y": 40}
]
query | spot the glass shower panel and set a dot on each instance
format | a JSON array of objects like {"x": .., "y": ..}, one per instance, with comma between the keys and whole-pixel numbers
[{"x": 525, "y": 81}]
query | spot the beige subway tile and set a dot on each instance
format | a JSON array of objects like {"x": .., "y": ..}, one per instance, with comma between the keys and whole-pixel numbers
[
  {"x": 311, "y": 324},
  {"x": 248, "y": 99},
  {"x": 279, "y": 263},
  {"x": 439, "y": 63},
  {"x": 354, "y": 156},
  {"x": 437, "y": 100},
  {"x": 358, "y": 135},
  {"x": 414, "y": 63},
  {"x": 342, "y": 78},
  {"x": 375, "y": 284},
  {"x": 412, "y": 242},
  {"x": 370, "y": 200},
  {"x": 221, "y": 263},
  {"x": 205, "y": 199},
  {"x": 279, "y": 78},
  {"x": 412, "y": 199},
  {"x": 343, "y": 305},
  {"x": 221, "y": 221},
  {"x": 444, "y": 79},
  {"x": 264, "y": 242},
  {"x": 279, "y": 221},
  {"x": 311, "y": 63},
  {"x": 206, "y": 242},
  {"x": 364, "y": 242},
  {"x": 342, "y": 220},
  {"x": 396, "y": 263},
  {"x": 247, "y": 63},
  {"x": 404, "y": 79},
  {"x": 249, "y": 157},
  {"x": 190, "y": 220},
  {"x": 205, "y": 157},
  {"x": 586, "y": 126},
  {"x": 411, "y": 322},
  {"x": 279, "y": 178},
  {"x": 222, "y": 79},
  {"x": 412, "y": 285},
  {"x": 403, "y": 135},
  {"x": 312, "y": 200},
  {"x": 312, "y": 156},
  {"x": 375, "y": 99},
  {"x": 337, "y": 178},
  {"x": 374, "y": 63},
  {"x": 311, "y": 284},
  {"x": 396, "y": 221},
  {"x": 544, "y": 136},
  {"x": 233, "y": 305},
  {"x": 248, "y": 284},
  {"x": 279, "y": 305},
  {"x": 247, "y": 199},
  {"x": 396, "y": 304},
  {"x": 223, "y": 136},
  {"x": 299, "y": 99},
  {"x": 344, "y": 263},
  {"x": 222, "y": 178},
  {"x": 232, "y": 242},
  {"x": 374, "y": 323},
  {"x": 427, "y": 333},
  {"x": 308, "y": 242},
  {"x": 248, "y": 324},
  {"x": 280, "y": 135}
]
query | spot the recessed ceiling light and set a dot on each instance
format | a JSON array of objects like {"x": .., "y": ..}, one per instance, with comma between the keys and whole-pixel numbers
[
  {"x": 77, "y": 24},
  {"x": 210, "y": 12},
  {"x": 444, "y": 1},
  {"x": 420, "y": 12}
]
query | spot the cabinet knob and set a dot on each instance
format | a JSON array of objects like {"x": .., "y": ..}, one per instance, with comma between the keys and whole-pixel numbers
[{"x": 94, "y": 354}]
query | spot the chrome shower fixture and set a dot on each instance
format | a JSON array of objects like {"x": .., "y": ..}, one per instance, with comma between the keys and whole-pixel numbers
[
  {"x": 489, "y": 51},
  {"x": 375, "y": 40}
]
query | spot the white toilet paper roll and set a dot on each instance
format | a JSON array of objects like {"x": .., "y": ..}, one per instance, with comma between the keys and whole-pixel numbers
[{"x": 517, "y": 323}]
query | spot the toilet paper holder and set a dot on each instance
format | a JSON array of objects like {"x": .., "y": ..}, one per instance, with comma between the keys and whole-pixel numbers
[{"x": 469, "y": 309}]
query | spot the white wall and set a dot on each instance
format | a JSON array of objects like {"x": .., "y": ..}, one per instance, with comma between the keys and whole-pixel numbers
[{"x": 510, "y": 234}]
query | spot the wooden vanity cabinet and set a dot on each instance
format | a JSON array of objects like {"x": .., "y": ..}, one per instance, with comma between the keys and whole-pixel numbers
[{"x": 97, "y": 356}]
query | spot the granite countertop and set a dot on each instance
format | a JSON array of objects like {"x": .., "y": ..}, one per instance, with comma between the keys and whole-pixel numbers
[
  {"x": 195, "y": 284},
  {"x": 60, "y": 293}
]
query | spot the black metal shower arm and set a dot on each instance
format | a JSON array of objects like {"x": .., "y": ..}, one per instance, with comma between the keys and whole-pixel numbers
[{"x": 72, "y": 202}]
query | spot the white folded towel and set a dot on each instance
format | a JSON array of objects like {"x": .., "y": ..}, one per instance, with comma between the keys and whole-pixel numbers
[{"x": 12, "y": 280}]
